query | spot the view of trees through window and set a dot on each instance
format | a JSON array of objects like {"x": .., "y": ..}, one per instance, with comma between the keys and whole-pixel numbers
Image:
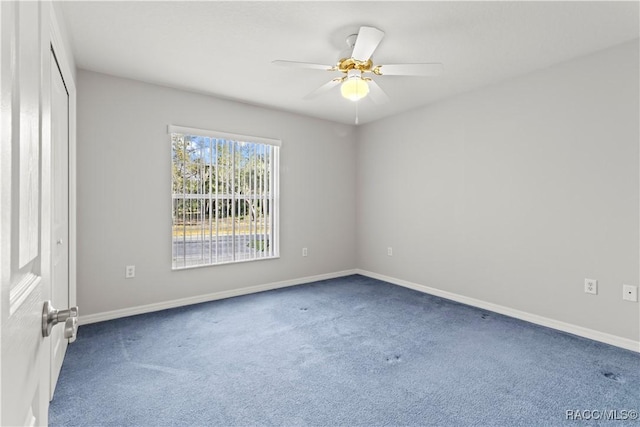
[{"x": 224, "y": 204}]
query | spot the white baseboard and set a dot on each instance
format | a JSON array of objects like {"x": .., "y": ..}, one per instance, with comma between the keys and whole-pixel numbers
[
  {"x": 148, "y": 308},
  {"x": 522, "y": 315}
]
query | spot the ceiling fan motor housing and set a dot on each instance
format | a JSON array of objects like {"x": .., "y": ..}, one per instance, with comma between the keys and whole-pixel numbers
[{"x": 346, "y": 62}]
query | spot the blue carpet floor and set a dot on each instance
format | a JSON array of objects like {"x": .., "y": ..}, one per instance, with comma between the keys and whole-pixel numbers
[{"x": 349, "y": 351}]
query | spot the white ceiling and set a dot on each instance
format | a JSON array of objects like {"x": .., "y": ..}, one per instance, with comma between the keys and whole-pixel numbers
[{"x": 225, "y": 49}]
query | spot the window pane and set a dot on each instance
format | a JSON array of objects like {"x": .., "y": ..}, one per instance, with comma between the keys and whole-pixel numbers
[{"x": 224, "y": 200}]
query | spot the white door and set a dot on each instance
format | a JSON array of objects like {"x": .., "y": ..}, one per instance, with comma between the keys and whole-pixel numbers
[
  {"x": 24, "y": 213},
  {"x": 60, "y": 202}
]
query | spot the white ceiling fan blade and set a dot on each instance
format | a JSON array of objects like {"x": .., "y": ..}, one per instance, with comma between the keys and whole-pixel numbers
[
  {"x": 324, "y": 88},
  {"x": 368, "y": 40},
  {"x": 433, "y": 69},
  {"x": 376, "y": 93},
  {"x": 295, "y": 64}
]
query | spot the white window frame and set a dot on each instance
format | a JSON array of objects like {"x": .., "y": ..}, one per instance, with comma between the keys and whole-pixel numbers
[{"x": 269, "y": 198}]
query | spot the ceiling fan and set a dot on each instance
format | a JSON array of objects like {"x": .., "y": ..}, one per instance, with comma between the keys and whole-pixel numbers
[{"x": 356, "y": 62}]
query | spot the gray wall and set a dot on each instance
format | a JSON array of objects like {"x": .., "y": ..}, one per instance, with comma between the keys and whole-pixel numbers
[
  {"x": 124, "y": 201},
  {"x": 514, "y": 193},
  {"x": 511, "y": 194}
]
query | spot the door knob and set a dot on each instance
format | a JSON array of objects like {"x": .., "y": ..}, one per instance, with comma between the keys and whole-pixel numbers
[{"x": 52, "y": 316}]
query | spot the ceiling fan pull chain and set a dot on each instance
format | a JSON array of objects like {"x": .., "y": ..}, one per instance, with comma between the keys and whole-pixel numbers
[{"x": 356, "y": 111}]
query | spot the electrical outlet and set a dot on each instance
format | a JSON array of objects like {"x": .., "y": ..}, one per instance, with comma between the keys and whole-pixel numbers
[
  {"x": 305, "y": 252},
  {"x": 591, "y": 286},
  {"x": 630, "y": 293},
  {"x": 130, "y": 272},
  {"x": 390, "y": 251}
]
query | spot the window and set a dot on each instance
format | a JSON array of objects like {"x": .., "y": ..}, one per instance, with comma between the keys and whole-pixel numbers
[{"x": 224, "y": 197}]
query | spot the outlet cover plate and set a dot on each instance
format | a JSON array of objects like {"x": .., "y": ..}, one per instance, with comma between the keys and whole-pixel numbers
[
  {"x": 591, "y": 286},
  {"x": 630, "y": 293},
  {"x": 130, "y": 272}
]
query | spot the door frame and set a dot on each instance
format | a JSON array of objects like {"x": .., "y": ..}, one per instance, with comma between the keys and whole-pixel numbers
[
  {"x": 66, "y": 63},
  {"x": 55, "y": 42}
]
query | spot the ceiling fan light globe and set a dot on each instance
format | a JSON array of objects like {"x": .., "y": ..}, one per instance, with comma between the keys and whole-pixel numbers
[{"x": 354, "y": 89}]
